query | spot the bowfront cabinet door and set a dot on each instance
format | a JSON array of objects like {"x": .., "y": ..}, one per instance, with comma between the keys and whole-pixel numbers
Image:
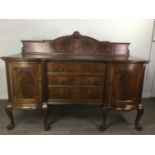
[
  {"x": 124, "y": 84},
  {"x": 25, "y": 79}
]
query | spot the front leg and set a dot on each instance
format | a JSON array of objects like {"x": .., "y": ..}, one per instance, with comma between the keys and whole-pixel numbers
[
  {"x": 45, "y": 112},
  {"x": 8, "y": 110},
  {"x": 102, "y": 127},
  {"x": 140, "y": 111}
]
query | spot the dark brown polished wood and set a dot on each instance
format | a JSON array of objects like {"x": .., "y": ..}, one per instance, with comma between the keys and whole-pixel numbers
[{"x": 75, "y": 69}]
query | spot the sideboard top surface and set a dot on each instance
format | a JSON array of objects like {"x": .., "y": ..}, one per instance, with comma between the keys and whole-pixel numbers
[{"x": 72, "y": 58}]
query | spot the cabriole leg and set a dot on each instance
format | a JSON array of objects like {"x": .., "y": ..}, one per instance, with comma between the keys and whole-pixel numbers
[
  {"x": 45, "y": 112},
  {"x": 104, "y": 116},
  {"x": 140, "y": 111},
  {"x": 8, "y": 110}
]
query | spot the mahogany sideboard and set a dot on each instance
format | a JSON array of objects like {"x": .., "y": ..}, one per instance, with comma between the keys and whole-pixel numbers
[{"x": 74, "y": 69}]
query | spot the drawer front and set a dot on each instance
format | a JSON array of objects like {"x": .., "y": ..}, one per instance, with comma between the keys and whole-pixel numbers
[
  {"x": 60, "y": 67},
  {"x": 90, "y": 80},
  {"x": 61, "y": 80},
  {"x": 79, "y": 80},
  {"x": 76, "y": 93},
  {"x": 91, "y": 68},
  {"x": 80, "y": 93},
  {"x": 84, "y": 68},
  {"x": 91, "y": 93},
  {"x": 60, "y": 93}
]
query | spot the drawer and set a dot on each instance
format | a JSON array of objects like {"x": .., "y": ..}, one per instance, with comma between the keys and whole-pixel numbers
[
  {"x": 91, "y": 68},
  {"x": 90, "y": 80},
  {"x": 76, "y": 67},
  {"x": 91, "y": 93},
  {"x": 60, "y": 93},
  {"x": 79, "y": 93},
  {"x": 60, "y": 67},
  {"x": 61, "y": 80}
]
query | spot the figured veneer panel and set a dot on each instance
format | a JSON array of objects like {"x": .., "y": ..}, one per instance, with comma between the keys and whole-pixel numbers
[
  {"x": 91, "y": 68},
  {"x": 60, "y": 67},
  {"x": 76, "y": 93},
  {"x": 56, "y": 79},
  {"x": 25, "y": 82},
  {"x": 124, "y": 83},
  {"x": 90, "y": 80},
  {"x": 69, "y": 67},
  {"x": 60, "y": 93},
  {"x": 88, "y": 93}
]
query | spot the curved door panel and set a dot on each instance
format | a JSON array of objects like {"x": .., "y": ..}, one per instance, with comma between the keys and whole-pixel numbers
[{"x": 124, "y": 83}]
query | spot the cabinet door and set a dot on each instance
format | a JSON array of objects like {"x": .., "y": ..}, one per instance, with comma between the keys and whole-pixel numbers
[
  {"x": 124, "y": 84},
  {"x": 25, "y": 80}
]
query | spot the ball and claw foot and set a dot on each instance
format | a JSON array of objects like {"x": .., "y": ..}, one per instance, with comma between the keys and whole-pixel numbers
[
  {"x": 140, "y": 112},
  {"x": 102, "y": 128},
  {"x": 10, "y": 127},
  {"x": 47, "y": 127},
  {"x": 138, "y": 127},
  {"x": 8, "y": 110}
]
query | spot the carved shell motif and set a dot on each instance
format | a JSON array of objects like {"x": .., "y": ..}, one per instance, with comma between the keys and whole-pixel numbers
[{"x": 76, "y": 43}]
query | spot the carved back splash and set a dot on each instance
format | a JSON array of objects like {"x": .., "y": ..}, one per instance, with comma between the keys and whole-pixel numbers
[{"x": 74, "y": 44}]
